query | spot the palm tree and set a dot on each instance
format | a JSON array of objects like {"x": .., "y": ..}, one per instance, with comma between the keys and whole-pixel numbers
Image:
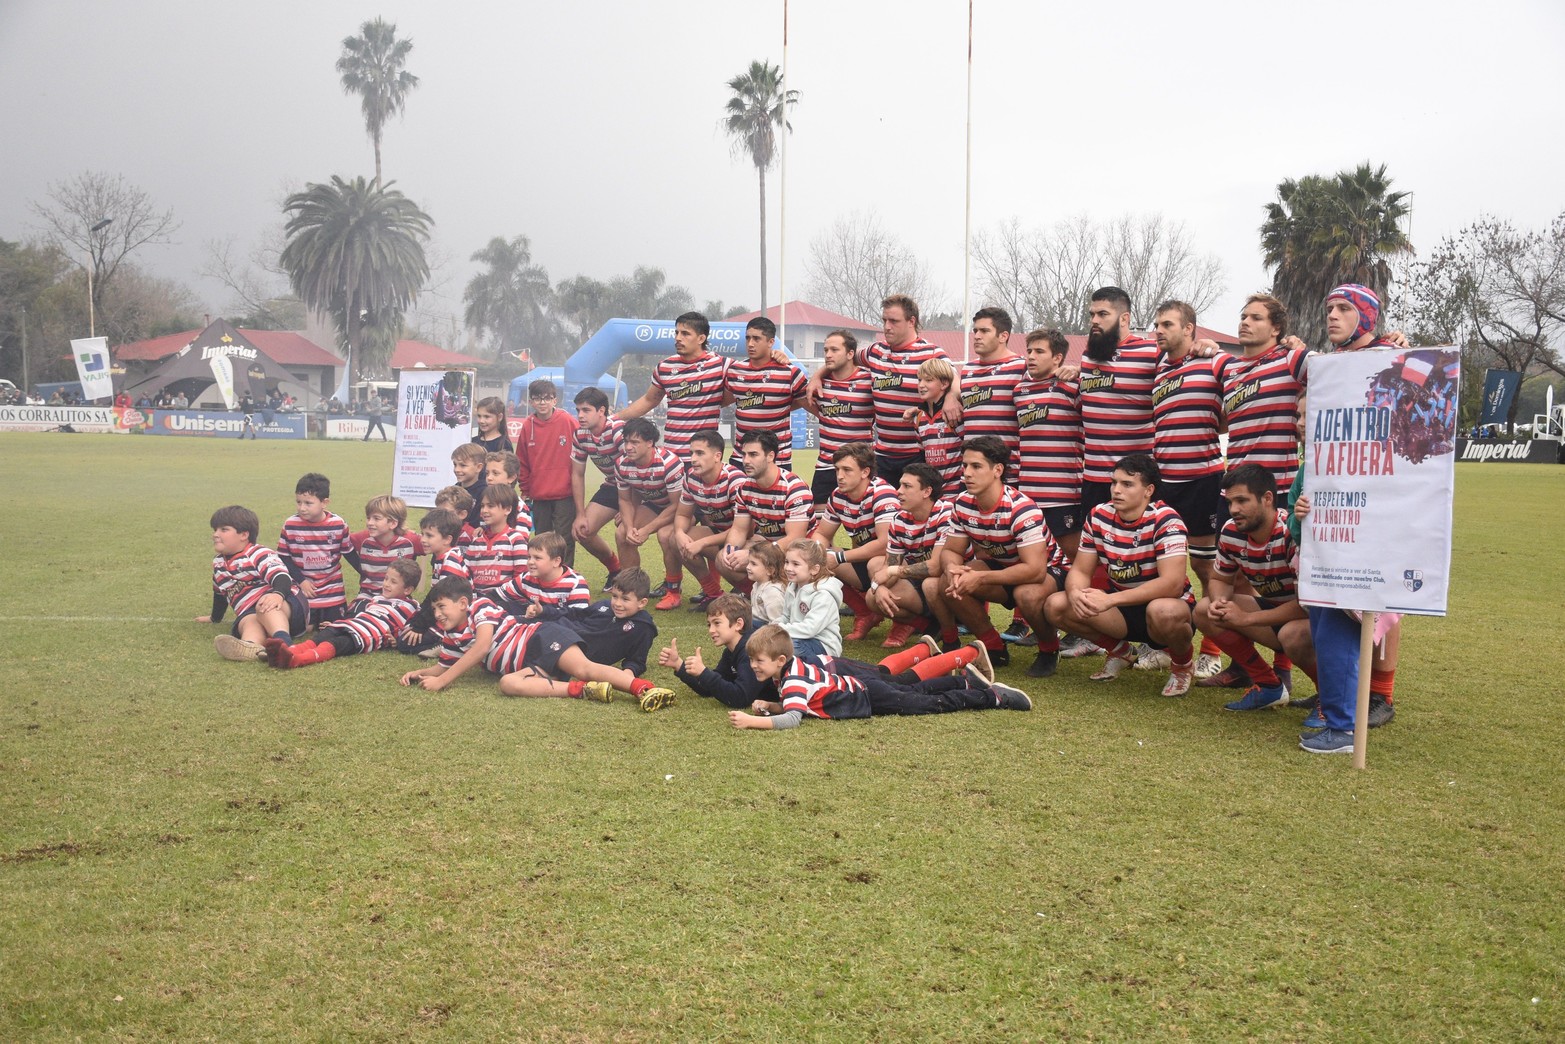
[
  {"x": 511, "y": 300},
  {"x": 356, "y": 250},
  {"x": 371, "y": 67},
  {"x": 1325, "y": 231},
  {"x": 751, "y": 118}
]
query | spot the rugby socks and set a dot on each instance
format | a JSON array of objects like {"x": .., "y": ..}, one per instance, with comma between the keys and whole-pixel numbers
[
  {"x": 575, "y": 688},
  {"x": 639, "y": 686},
  {"x": 855, "y": 599},
  {"x": 898, "y": 662},
  {"x": 992, "y": 640},
  {"x": 1242, "y": 651},
  {"x": 950, "y": 636},
  {"x": 1382, "y": 681},
  {"x": 673, "y": 580},
  {"x": 613, "y": 564},
  {"x": 1280, "y": 662},
  {"x": 945, "y": 663},
  {"x": 283, "y": 637},
  {"x": 712, "y": 584},
  {"x": 1209, "y": 647}
]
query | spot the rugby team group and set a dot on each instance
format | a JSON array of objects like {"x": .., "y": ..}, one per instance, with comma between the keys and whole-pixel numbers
[{"x": 1083, "y": 497}]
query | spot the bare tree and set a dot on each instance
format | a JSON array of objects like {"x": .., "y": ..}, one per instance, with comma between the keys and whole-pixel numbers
[
  {"x": 105, "y": 218},
  {"x": 1044, "y": 276},
  {"x": 856, "y": 263},
  {"x": 257, "y": 282}
]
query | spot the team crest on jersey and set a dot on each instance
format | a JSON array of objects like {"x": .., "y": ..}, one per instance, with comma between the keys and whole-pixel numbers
[
  {"x": 628, "y": 626},
  {"x": 1413, "y": 579},
  {"x": 1097, "y": 381},
  {"x": 554, "y": 646},
  {"x": 1241, "y": 394}
]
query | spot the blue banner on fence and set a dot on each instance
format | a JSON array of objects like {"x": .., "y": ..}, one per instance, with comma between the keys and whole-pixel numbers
[
  {"x": 212, "y": 425},
  {"x": 1499, "y": 390}
]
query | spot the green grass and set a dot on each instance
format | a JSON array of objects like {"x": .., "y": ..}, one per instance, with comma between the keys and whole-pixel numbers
[{"x": 201, "y": 849}]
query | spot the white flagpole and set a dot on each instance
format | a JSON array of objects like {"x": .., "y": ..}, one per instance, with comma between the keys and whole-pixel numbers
[
  {"x": 967, "y": 212},
  {"x": 782, "y": 199}
]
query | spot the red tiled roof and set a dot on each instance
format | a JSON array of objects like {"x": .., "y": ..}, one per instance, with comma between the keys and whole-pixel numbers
[
  {"x": 281, "y": 346},
  {"x": 410, "y": 355},
  {"x": 802, "y": 313}
]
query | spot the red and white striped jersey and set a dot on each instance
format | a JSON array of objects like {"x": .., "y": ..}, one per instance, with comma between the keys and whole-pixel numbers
[
  {"x": 770, "y": 510},
  {"x": 566, "y": 593},
  {"x": 316, "y": 550},
  {"x": 1261, "y": 405},
  {"x": 998, "y": 535},
  {"x": 377, "y": 622},
  {"x": 989, "y": 401},
  {"x": 602, "y": 449},
  {"x": 658, "y": 482},
  {"x": 1048, "y": 419},
  {"x": 763, "y": 399},
  {"x": 493, "y": 558},
  {"x": 375, "y": 557},
  {"x": 694, "y": 391},
  {"x": 916, "y": 541},
  {"x": 511, "y": 636},
  {"x": 452, "y": 562},
  {"x": 1268, "y": 566},
  {"x": 713, "y": 502},
  {"x": 1187, "y": 410},
  {"x": 818, "y": 693},
  {"x": 1116, "y": 406},
  {"x": 245, "y": 576},
  {"x": 846, "y": 411},
  {"x": 858, "y": 518},
  {"x": 1130, "y": 551},
  {"x": 894, "y": 376},
  {"x": 942, "y": 447}
]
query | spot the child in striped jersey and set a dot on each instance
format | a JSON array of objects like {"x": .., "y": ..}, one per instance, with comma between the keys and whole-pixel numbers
[
  {"x": 764, "y": 570},
  {"x": 941, "y": 442},
  {"x": 807, "y": 690},
  {"x": 500, "y": 469},
  {"x": 441, "y": 529},
  {"x": 312, "y": 545},
  {"x": 460, "y": 502},
  {"x": 498, "y": 551},
  {"x": 253, "y": 580},
  {"x": 383, "y": 540},
  {"x": 372, "y": 627},
  {"x": 550, "y": 589}
]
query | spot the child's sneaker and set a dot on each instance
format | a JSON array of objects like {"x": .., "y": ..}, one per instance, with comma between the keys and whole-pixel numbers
[
  {"x": 237, "y": 649},
  {"x": 656, "y": 699}
]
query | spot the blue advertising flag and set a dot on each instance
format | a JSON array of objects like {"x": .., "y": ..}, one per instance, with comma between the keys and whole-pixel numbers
[{"x": 1499, "y": 390}]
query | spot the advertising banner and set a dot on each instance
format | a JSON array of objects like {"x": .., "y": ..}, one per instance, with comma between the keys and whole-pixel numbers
[
  {"x": 1379, "y": 469},
  {"x": 52, "y": 418},
  {"x": 212, "y": 425},
  {"x": 434, "y": 417},
  {"x": 1532, "y": 451},
  {"x": 355, "y": 428},
  {"x": 223, "y": 375},
  {"x": 1499, "y": 388},
  {"x": 93, "y": 367}
]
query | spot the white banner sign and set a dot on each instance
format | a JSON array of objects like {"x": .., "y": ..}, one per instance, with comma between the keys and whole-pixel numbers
[
  {"x": 434, "y": 417},
  {"x": 223, "y": 374},
  {"x": 93, "y": 367},
  {"x": 52, "y": 418},
  {"x": 1379, "y": 469}
]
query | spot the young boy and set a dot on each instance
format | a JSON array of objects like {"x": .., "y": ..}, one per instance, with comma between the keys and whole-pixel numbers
[
  {"x": 373, "y": 627},
  {"x": 441, "y": 529},
  {"x": 805, "y": 690},
  {"x": 253, "y": 580},
  {"x": 311, "y": 546},
  {"x": 467, "y": 463},
  {"x": 500, "y": 470},
  {"x": 619, "y": 629},
  {"x": 597, "y": 439},
  {"x": 460, "y": 502},
  {"x": 498, "y": 551},
  {"x": 942, "y": 444},
  {"x": 531, "y": 658},
  {"x": 383, "y": 541},
  {"x": 550, "y": 589},
  {"x": 544, "y": 455}
]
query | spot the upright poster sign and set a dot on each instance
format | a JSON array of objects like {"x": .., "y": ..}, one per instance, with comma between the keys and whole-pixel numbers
[
  {"x": 434, "y": 417},
  {"x": 93, "y": 367},
  {"x": 1379, "y": 468}
]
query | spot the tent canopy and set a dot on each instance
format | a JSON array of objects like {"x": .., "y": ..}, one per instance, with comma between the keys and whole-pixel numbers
[{"x": 190, "y": 369}]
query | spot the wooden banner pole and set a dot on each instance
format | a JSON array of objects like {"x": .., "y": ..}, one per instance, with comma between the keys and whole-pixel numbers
[{"x": 1361, "y": 709}]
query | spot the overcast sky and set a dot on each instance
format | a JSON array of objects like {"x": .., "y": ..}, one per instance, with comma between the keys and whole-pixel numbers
[{"x": 593, "y": 127}]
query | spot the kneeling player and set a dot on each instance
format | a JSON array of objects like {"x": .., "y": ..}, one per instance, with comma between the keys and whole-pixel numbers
[{"x": 917, "y": 530}]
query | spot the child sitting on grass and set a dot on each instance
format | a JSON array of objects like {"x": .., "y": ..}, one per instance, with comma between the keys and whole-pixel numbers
[
  {"x": 531, "y": 658},
  {"x": 253, "y": 580},
  {"x": 805, "y": 690},
  {"x": 373, "y": 627},
  {"x": 383, "y": 540},
  {"x": 812, "y": 601},
  {"x": 764, "y": 569},
  {"x": 618, "y": 629},
  {"x": 550, "y": 589}
]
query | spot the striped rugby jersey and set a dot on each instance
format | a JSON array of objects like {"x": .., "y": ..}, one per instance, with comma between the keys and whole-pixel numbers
[
  {"x": 894, "y": 381},
  {"x": 449, "y": 563},
  {"x": 1048, "y": 417},
  {"x": 989, "y": 401},
  {"x": 245, "y": 576},
  {"x": 1130, "y": 550},
  {"x": 315, "y": 550},
  {"x": 771, "y": 509},
  {"x": 567, "y": 593},
  {"x": 375, "y": 557},
  {"x": 714, "y": 502},
  {"x": 998, "y": 535},
  {"x": 602, "y": 449},
  {"x": 694, "y": 392},
  {"x": 942, "y": 447},
  {"x": 493, "y": 558},
  {"x": 763, "y": 399},
  {"x": 1187, "y": 409},
  {"x": 511, "y": 636},
  {"x": 657, "y": 483},
  {"x": 858, "y": 518},
  {"x": 916, "y": 541},
  {"x": 1116, "y": 406},
  {"x": 1261, "y": 405},
  {"x": 818, "y": 693},
  {"x": 1268, "y": 566},
  {"x": 846, "y": 411},
  {"x": 378, "y": 622}
]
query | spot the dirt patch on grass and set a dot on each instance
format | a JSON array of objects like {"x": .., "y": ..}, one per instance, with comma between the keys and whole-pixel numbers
[{"x": 54, "y": 850}]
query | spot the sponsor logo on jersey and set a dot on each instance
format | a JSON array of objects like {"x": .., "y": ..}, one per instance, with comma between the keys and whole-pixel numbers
[
  {"x": 1097, "y": 382},
  {"x": 1241, "y": 394}
]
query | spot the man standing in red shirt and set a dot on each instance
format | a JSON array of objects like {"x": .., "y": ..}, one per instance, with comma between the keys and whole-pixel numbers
[{"x": 543, "y": 458}]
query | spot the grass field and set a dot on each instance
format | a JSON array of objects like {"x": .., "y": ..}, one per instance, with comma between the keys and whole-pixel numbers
[{"x": 200, "y": 849}]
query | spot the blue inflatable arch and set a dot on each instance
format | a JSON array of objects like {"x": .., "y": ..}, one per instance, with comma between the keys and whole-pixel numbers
[{"x": 621, "y": 337}]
